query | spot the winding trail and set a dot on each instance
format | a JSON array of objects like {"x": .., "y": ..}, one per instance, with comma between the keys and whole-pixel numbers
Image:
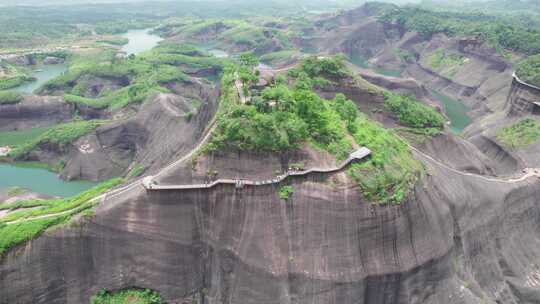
[
  {"x": 144, "y": 181},
  {"x": 45, "y": 216},
  {"x": 357, "y": 155},
  {"x": 529, "y": 172},
  {"x": 133, "y": 184}
]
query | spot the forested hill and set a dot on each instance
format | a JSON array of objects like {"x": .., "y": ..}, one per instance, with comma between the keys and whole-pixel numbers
[{"x": 519, "y": 34}]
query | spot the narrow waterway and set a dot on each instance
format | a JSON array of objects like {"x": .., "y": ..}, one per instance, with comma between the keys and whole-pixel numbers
[
  {"x": 42, "y": 73},
  {"x": 39, "y": 180},
  {"x": 42, "y": 180},
  {"x": 140, "y": 41},
  {"x": 455, "y": 110}
]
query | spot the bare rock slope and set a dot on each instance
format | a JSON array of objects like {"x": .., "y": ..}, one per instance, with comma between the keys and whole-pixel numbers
[{"x": 460, "y": 238}]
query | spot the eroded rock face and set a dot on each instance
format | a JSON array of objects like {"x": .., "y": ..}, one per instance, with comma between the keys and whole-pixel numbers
[
  {"x": 23, "y": 60},
  {"x": 523, "y": 99},
  {"x": 163, "y": 128},
  {"x": 458, "y": 239},
  {"x": 53, "y": 60},
  {"x": 34, "y": 111},
  {"x": 482, "y": 80}
]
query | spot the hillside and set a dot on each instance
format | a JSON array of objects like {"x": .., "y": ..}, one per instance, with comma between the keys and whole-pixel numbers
[{"x": 272, "y": 153}]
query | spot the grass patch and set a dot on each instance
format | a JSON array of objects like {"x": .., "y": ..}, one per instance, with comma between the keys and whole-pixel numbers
[
  {"x": 529, "y": 70},
  {"x": 136, "y": 171},
  {"x": 17, "y": 138},
  {"x": 391, "y": 172},
  {"x": 127, "y": 296},
  {"x": 13, "y": 82},
  {"x": 285, "y": 192},
  {"x": 521, "y": 134},
  {"x": 119, "y": 41},
  {"x": 417, "y": 136},
  {"x": 183, "y": 56},
  {"x": 447, "y": 64},
  {"x": 10, "y": 97},
  {"x": 21, "y": 204},
  {"x": 135, "y": 93},
  {"x": 412, "y": 113},
  {"x": 15, "y": 191},
  {"x": 280, "y": 57},
  {"x": 59, "y": 135},
  {"x": 59, "y": 205},
  {"x": 19, "y": 233}
]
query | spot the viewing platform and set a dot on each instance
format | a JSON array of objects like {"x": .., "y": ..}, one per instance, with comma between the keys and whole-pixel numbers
[{"x": 151, "y": 185}]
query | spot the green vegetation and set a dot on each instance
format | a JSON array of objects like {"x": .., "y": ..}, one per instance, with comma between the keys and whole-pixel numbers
[
  {"x": 136, "y": 171},
  {"x": 127, "y": 296},
  {"x": 12, "y": 76},
  {"x": 59, "y": 54},
  {"x": 282, "y": 118},
  {"x": 280, "y": 57},
  {"x": 529, "y": 70},
  {"x": 405, "y": 56},
  {"x": 14, "y": 191},
  {"x": 26, "y": 228},
  {"x": 13, "y": 235},
  {"x": 446, "y": 64},
  {"x": 253, "y": 36},
  {"x": 391, "y": 172},
  {"x": 412, "y": 113},
  {"x": 117, "y": 99},
  {"x": 499, "y": 31},
  {"x": 115, "y": 41},
  {"x": 60, "y": 136},
  {"x": 183, "y": 55},
  {"x": 21, "y": 204},
  {"x": 328, "y": 67},
  {"x": 285, "y": 192},
  {"x": 17, "y": 138},
  {"x": 521, "y": 134},
  {"x": 13, "y": 82},
  {"x": 9, "y": 97},
  {"x": 142, "y": 76}
]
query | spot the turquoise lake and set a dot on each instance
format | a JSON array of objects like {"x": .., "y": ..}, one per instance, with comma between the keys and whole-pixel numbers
[
  {"x": 42, "y": 73},
  {"x": 456, "y": 112},
  {"x": 140, "y": 41},
  {"x": 39, "y": 180}
]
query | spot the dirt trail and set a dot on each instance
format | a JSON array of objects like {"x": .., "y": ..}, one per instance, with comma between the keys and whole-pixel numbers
[{"x": 528, "y": 172}]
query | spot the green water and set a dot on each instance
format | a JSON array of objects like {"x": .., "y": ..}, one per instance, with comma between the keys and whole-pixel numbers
[
  {"x": 385, "y": 72},
  {"x": 309, "y": 50},
  {"x": 42, "y": 73},
  {"x": 140, "y": 41},
  {"x": 359, "y": 61},
  {"x": 362, "y": 62},
  {"x": 39, "y": 180},
  {"x": 455, "y": 110}
]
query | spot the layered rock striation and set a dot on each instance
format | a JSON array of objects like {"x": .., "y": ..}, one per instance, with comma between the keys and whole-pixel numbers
[
  {"x": 523, "y": 98},
  {"x": 459, "y": 238}
]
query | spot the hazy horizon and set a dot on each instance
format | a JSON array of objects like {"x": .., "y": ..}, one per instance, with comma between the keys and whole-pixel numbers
[{"x": 76, "y": 2}]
